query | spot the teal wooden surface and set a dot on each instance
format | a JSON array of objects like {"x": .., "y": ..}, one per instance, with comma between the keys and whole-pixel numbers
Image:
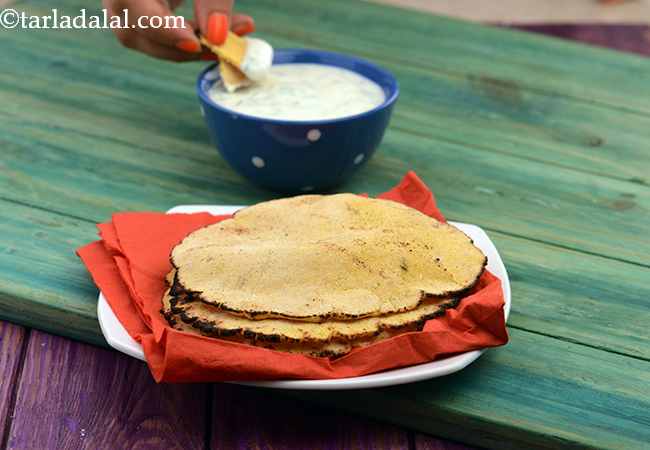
[
  {"x": 42, "y": 283},
  {"x": 541, "y": 142}
]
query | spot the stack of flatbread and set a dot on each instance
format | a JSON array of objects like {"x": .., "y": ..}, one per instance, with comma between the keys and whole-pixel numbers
[{"x": 318, "y": 275}]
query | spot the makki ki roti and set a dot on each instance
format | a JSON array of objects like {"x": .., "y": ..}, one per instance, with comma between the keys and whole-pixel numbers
[
  {"x": 211, "y": 319},
  {"x": 330, "y": 349},
  {"x": 317, "y": 258},
  {"x": 322, "y": 350}
]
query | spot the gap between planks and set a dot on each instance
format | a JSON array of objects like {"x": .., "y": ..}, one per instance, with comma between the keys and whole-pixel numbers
[
  {"x": 47, "y": 210},
  {"x": 575, "y": 341}
]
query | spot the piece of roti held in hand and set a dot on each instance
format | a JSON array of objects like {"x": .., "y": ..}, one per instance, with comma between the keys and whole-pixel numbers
[{"x": 332, "y": 257}]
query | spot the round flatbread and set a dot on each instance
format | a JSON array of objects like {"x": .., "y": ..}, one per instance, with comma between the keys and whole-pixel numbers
[
  {"x": 210, "y": 319},
  {"x": 321, "y": 350},
  {"x": 316, "y": 258}
]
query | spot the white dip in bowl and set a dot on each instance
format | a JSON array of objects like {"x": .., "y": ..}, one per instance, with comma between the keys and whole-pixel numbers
[{"x": 303, "y": 92}]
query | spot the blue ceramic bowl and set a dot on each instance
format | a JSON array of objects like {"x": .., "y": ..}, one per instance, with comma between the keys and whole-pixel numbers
[{"x": 299, "y": 156}]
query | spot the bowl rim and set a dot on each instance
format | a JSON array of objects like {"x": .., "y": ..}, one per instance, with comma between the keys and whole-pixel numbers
[{"x": 388, "y": 101}]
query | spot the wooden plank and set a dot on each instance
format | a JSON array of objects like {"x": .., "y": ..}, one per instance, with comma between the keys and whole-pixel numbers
[
  {"x": 535, "y": 393},
  {"x": 591, "y": 300},
  {"x": 245, "y": 417},
  {"x": 76, "y": 396},
  {"x": 11, "y": 352},
  {"x": 42, "y": 282}
]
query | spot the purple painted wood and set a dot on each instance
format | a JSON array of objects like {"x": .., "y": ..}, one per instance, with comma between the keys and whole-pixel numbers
[
  {"x": 76, "y": 396},
  {"x": 11, "y": 346},
  {"x": 629, "y": 38},
  {"x": 424, "y": 442},
  {"x": 245, "y": 417}
]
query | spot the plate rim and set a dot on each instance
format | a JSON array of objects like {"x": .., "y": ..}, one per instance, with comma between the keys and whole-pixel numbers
[{"x": 118, "y": 338}]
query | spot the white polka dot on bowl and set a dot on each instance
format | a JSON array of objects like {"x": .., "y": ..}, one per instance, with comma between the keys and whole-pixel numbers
[
  {"x": 313, "y": 135},
  {"x": 258, "y": 162},
  {"x": 359, "y": 158},
  {"x": 202, "y": 110}
]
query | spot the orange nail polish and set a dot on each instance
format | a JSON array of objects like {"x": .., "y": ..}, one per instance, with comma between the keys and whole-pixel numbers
[
  {"x": 188, "y": 45},
  {"x": 244, "y": 28},
  {"x": 217, "y": 28}
]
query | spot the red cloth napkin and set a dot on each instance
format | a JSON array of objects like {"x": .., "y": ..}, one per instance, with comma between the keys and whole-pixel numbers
[{"x": 129, "y": 264}]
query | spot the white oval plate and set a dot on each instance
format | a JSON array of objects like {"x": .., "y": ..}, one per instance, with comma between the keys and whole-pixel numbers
[{"x": 118, "y": 338}]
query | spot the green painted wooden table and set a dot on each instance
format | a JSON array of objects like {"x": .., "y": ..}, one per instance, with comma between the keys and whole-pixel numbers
[{"x": 544, "y": 143}]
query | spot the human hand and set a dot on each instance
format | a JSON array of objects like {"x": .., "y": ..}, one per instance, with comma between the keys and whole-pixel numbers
[{"x": 213, "y": 18}]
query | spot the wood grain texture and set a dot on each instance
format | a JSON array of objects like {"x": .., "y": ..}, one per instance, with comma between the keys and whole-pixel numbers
[
  {"x": 250, "y": 418},
  {"x": 587, "y": 299},
  {"x": 535, "y": 393},
  {"x": 42, "y": 282},
  {"x": 76, "y": 396},
  {"x": 11, "y": 352}
]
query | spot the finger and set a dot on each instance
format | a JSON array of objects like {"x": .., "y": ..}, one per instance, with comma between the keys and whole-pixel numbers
[
  {"x": 213, "y": 17},
  {"x": 182, "y": 37},
  {"x": 242, "y": 24}
]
